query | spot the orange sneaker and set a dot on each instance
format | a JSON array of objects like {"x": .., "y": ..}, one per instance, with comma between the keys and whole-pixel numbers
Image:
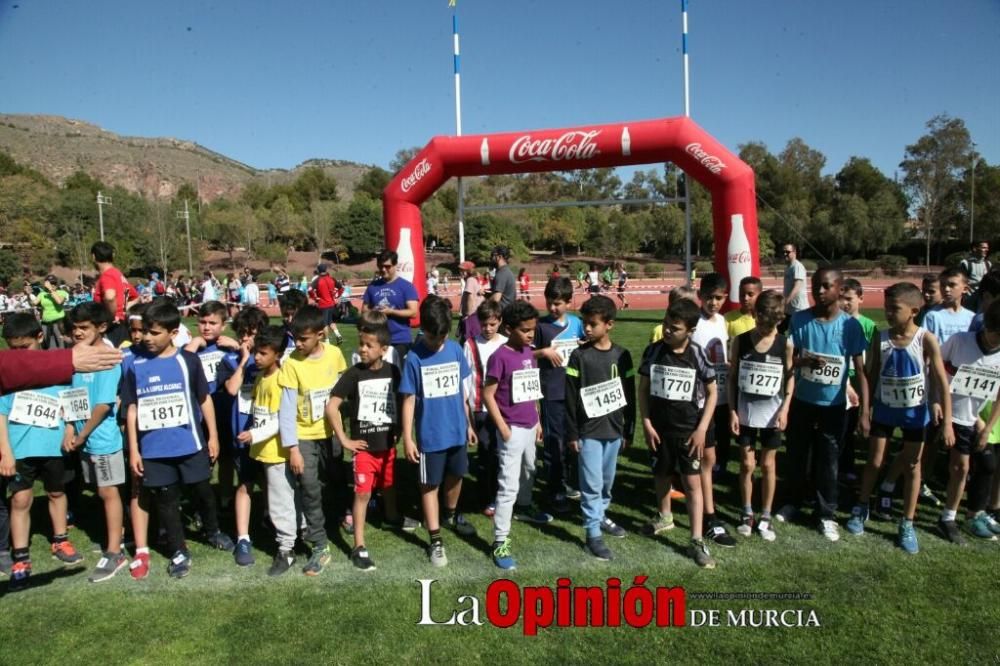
[{"x": 66, "y": 553}]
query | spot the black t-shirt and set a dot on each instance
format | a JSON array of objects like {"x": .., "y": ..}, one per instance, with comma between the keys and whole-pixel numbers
[
  {"x": 377, "y": 393},
  {"x": 682, "y": 378},
  {"x": 590, "y": 367}
]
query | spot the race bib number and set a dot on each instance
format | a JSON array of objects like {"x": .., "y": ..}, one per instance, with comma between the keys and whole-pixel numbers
[
  {"x": 210, "y": 363},
  {"x": 441, "y": 380},
  {"x": 162, "y": 411},
  {"x": 375, "y": 401},
  {"x": 976, "y": 381},
  {"x": 244, "y": 400},
  {"x": 564, "y": 348},
  {"x": 901, "y": 391},
  {"x": 36, "y": 409},
  {"x": 760, "y": 378},
  {"x": 262, "y": 418},
  {"x": 317, "y": 402},
  {"x": 526, "y": 385},
  {"x": 75, "y": 404},
  {"x": 603, "y": 398},
  {"x": 670, "y": 383},
  {"x": 721, "y": 377},
  {"x": 831, "y": 374}
]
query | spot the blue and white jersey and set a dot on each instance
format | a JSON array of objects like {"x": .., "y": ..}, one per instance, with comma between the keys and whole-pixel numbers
[
  {"x": 167, "y": 392},
  {"x": 899, "y": 396},
  {"x": 240, "y": 409}
]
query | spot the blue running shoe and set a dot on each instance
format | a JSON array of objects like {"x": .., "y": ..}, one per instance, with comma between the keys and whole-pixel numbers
[
  {"x": 908, "y": 537},
  {"x": 243, "y": 553},
  {"x": 502, "y": 556},
  {"x": 856, "y": 523}
]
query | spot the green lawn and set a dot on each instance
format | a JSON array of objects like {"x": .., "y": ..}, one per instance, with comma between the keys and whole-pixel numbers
[{"x": 875, "y": 604}]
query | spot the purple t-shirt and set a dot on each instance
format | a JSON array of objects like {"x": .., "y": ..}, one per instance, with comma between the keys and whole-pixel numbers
[{"x": 523, "y": 387}]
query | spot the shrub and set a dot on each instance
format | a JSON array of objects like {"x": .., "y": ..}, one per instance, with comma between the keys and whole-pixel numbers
[
  {"x": 632, "y": 267},
  {"x": 863, "y": 265},
  {"x": 577, "y": 266},
  {"x": 809, "y": 264},
  {"x": 954, "y": 259},
  {"x": 653, "y": 270},
  {"x": 892, "y": 264},
  {"x": 702, "y": 267},
  {"x": 265, "y": 276}
]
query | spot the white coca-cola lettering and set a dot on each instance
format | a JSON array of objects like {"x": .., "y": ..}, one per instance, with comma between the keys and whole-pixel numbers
[
  {"x": 742, "y": 257},
  {"x": 710, "y": 162},
  {"x": 576, "y": 145},
  {"x": 422, "y": 169}
]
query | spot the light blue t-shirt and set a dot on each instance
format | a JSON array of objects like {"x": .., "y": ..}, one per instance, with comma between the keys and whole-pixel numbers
[
  {"x": 841, "y": 338},
  {"x": 102, "y": 389},
  {"x": 436, "y": 379},
  {"x": 34, "y": 441},
  {"x": 944, "y": 322}
]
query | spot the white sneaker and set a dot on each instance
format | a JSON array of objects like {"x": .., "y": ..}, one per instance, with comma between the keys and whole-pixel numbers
[
  {"x": 786, "y": 513},
  {"x": 830, "y": 530},
  {"x": 765, "y": 530}
]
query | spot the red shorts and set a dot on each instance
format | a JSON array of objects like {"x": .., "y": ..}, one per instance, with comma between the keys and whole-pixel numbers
[{"x": 373, "y": 470}]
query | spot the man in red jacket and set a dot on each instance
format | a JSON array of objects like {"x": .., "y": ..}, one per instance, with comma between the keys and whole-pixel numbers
[{"x": 326, "y": 291}]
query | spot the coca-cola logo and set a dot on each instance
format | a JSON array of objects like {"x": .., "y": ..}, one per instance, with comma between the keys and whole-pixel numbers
[
  {"x": 575, "y": 145},
  {"x": 742, "y": 257},
  {"x": 710, "y": 162},
  {"x": 422, "y": 169}
]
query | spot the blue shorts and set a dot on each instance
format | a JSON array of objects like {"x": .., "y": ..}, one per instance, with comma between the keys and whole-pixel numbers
[
  {"x": 436, "y": 465},
  {"x": 187, "y": 470},
  {"x": 884, "y": 430}
]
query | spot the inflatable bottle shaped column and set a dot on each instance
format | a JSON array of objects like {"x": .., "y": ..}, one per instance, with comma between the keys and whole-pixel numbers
[
  {"x": 405, "y": 251},
  {"x": 738, "y": 258}
]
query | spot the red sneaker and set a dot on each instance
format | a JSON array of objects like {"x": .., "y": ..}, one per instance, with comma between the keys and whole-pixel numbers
[{"x": 140, "y": 566}]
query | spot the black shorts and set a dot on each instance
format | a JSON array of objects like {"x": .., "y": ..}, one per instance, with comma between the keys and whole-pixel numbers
[
  {"x": 50, "y": 471},
  {"x": 672, "y": 457},
  {"x": 434, "y": 466},
  {"x": 248, "y": 470},
  {"x": 909, "y": 434},
  {"x": 965, "y": 439},
  {"x": 770, "y": 438},
  {"x": 187, "y": 470},
  {"x": 331, "y": 315},
  {"x": 718, "y": 428}
]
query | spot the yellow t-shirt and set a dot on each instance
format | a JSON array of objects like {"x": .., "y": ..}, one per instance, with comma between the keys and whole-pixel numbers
[
  {"x": 266, "y": 401},
  {"x": 738, "y": 323},
  {"x": 313, "y": 378},
  {"x": 657, "y": 334}
]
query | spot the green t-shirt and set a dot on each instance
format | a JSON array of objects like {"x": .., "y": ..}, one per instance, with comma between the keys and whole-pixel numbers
[
  {"x": 51, "y": 311},
  {"x": 984, "y": 414},
  {"x": 869, "y": 328}
]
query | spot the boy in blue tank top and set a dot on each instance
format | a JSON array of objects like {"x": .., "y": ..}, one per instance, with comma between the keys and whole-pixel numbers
[
  {"x": 825, "y": 340},
  {"x": 167, "y": 403},
  {"x": 898, "y": 362}
]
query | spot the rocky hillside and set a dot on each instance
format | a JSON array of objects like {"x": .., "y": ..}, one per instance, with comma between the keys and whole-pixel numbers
[{"x": 154, "y": 167}]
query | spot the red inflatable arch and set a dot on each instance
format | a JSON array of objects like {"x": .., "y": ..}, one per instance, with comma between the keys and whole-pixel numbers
[{"x": 677, "y": 140}]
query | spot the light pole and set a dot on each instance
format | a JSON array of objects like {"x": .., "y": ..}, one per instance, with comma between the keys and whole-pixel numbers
[
  {"x": 186, "y": 215},
  {"x": 102, "y": 201}
]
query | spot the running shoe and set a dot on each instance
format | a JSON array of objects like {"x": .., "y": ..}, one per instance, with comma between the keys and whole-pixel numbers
[
  {"x": 405, "y": 524},
  {"x": 829, "y": 529},
  {"x": 766, "y": 530},
  {"x": 991, "y": 521},
  {"x": 599, "y": 549},
  {"x": 436, "y": 554},
  {"x": 786, "y": 514},
  {"x": 530, "y": 514},
  {"x": 361, "y": 560},
  {"x": 108, "y": 566},
  {"x": 745, "y": 527},
  {"x": 180, "y": 564},
  {"x": 139, "y": 568},
  {"x": 502, "y": 556},
  {"x": 610, "y": 528},
  {"x": 928, "y": 496},
  {"x": 282, "y": 562},
  {"x": 698, "y": 552},
  {"x": 490, "y": 510},
  {"x": 856, "y": 523},
  {"x": 20, "y": 576},
  {"x": 66, "y": 553},
  {"x": 460, "y": 525},
  {"x": 979, "y": 527},
  {"x": 907, "y": 538},
  {"x": 718, "y": 534},
  {"x": 243, "y": 554},
  {"x": 221, "y": 541},
  {"x": 320, "y": 558},
  {"x": 949, "y": 530},
  {"x": 660, "y": 523}
]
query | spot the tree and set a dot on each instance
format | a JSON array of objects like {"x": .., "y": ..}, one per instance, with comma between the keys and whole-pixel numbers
[
  {"x": 402, "y": 158},
  {"x": 484, "y": 232},
  {"x": 933, "y": 167},
  {"x": 359, "y": 227},
  {"x": 373, "y": 182}
]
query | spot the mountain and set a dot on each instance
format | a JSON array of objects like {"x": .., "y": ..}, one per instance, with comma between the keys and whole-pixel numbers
[{"x": 154, "y": 167}]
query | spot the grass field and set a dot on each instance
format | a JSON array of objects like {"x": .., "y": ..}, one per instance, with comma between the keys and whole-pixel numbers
[{"x": 875, "y": 604}]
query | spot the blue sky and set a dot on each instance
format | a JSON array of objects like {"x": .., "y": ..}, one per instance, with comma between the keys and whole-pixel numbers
[{"x": 275, "y": 83}]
